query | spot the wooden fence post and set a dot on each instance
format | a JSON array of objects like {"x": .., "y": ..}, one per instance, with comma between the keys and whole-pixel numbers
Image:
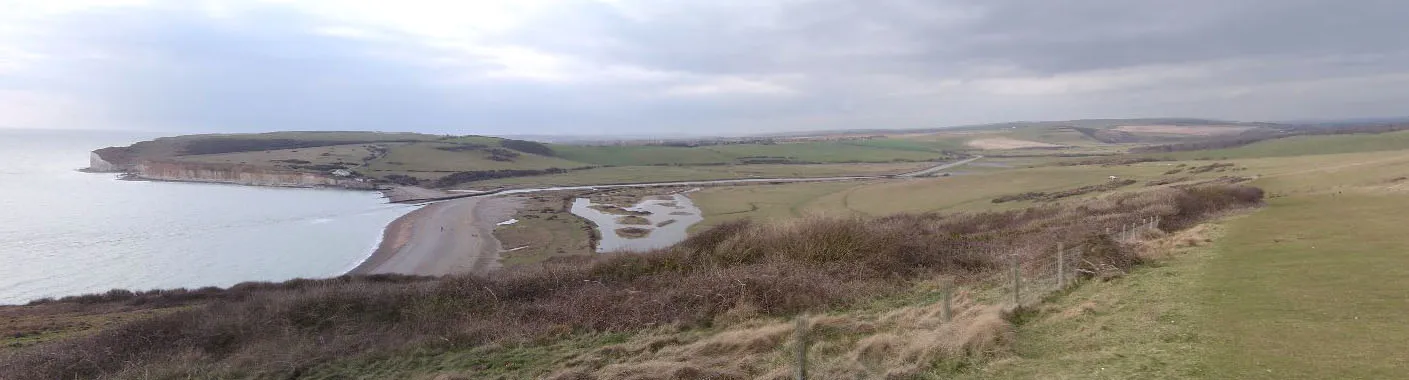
[
  {"x": 1061, "y": 267},
  {"x": 801, "y": 333},
  {"x": 1017, "y": 299},
  {"x": 948, "y": 311}
]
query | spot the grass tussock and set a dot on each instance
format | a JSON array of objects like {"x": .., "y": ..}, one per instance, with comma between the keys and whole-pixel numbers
[{"x": 735, "y": 271}]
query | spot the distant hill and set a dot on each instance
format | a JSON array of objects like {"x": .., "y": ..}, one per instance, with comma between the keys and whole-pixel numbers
[{"x": 449, "y": 161}]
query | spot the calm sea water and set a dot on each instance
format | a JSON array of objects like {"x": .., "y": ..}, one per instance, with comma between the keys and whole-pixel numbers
[{"x": 64, "y": 232}]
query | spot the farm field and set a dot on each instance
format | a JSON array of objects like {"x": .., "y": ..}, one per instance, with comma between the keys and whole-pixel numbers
[
  {"x": 1304, "y": 146},
  {"x": 323, "y": 155},
  {"x": 972, "y": 190},
  {"x": 813, "y": 152},
  {"x": 640, "y": 174},
  {"x": 428, "y": 157}
]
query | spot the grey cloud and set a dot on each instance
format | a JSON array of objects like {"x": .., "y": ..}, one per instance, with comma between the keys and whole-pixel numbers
[{"x": 850, "y": 64}]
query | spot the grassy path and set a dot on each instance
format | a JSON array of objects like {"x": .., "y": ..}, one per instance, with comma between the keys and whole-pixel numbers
[
  {"x": 1313, "y": 287},
  {"x": 1142, "y": 326},
  {"x": 1310, "y": 287}
]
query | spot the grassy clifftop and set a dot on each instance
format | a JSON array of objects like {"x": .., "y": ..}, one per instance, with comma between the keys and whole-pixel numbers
[{"x": 443, "y": 161}]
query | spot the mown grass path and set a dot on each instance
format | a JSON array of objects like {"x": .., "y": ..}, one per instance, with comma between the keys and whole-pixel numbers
[{"x": 1314, "y": 287}]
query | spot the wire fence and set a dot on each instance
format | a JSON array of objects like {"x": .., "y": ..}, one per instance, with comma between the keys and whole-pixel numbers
[{"x": 1032, "y": 276}]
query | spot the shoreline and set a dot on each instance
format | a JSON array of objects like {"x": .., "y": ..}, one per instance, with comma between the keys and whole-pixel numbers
[
  {"x": 447, "y": 237},
  {"x": 451, "y": 233},
  {"x": 454, "y": 231}
]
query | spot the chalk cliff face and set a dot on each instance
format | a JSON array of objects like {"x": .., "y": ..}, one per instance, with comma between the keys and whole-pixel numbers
[
  {"x": 170, "y": 170},
  {"x": 237, "y": 174},
  {"x": 98, "y": 164}
]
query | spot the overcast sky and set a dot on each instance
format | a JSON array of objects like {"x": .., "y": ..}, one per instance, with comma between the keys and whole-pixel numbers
[{"x": 689, "y": 67}]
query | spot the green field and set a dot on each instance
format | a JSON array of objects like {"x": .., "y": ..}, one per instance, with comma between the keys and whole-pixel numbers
[
  {"x": 640, "y": 155},
  {"x": 1310, "y": 287},
  {"x": 822, "y": 152},
  {"x": 1144, "y": 326},
  {"x": 425, "y": 157},
  {"x": 638, "y": 174},
  {"x": 1304, "y": 146},
  {"x": 912, "y": 144},
  {"x": 973, "y": 190}
]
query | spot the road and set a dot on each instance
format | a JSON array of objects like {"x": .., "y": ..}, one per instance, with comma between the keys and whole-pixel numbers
[{"x": 938, "y": 168}]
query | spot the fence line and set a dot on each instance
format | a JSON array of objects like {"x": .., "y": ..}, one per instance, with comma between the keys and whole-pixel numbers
[
  {"x": 1030, "y": 280},
  {"x": 1054, "y": 269}
]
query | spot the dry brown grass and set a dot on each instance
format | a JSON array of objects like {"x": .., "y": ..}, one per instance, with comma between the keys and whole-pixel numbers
[
  {"x": 735, "y": 271},
  {"x": 898, "y": 344}
]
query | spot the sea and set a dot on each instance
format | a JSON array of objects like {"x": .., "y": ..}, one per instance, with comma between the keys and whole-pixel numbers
[{"x": 65, "y": 232}]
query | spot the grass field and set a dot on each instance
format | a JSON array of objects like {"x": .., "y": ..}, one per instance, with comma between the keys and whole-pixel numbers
[
  {"x": 823, "y": 152},
  {"x": 639, "y": 174},
  {"x": 1143, "y": 326},
  {"x": 1310, "y": 287},
  {"x": 972, "y": 191},
  {"x": 1305, "y": 146},
  {"x": 841, "y": 151},
  {"x": 353, "y": 154},
  {"x": 912, "y": 144},
  {"x": 425, "y": 157},
  {"x": 727, "y": 203},
  {"x": 1053, "y": 135},
  {"x": 640, "y": 155}
]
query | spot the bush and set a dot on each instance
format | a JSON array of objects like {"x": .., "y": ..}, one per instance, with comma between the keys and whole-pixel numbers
[
  {"x": 503, "y": 155},
  {"x": 482, "y": 175},
  {"x": 462, "y": 147},
  {"x": 529, "y": 147}
]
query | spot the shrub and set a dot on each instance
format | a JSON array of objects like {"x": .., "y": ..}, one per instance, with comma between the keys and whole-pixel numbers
[
  {"x": 529, "y": 147},
  {"x": 462, "y": 147},
  {"x": 501, "y": 154}
]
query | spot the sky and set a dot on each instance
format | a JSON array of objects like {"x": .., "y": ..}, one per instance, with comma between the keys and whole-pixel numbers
[{"x": 689, "y": 67}]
